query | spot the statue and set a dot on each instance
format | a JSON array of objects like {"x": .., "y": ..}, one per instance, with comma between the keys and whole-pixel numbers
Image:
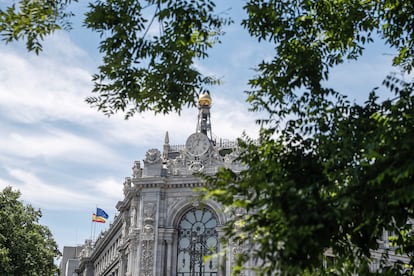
[{"x": 136, "y": 170}]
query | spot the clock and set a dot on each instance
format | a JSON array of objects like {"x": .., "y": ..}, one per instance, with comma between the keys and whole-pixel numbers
[{"x": 197, "y": 144}]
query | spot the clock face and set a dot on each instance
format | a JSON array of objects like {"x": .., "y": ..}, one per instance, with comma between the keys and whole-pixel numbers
[{"x": 197, "y": 144}]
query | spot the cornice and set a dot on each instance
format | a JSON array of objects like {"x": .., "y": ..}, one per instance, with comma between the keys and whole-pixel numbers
[{"x": 167, "y": 182}]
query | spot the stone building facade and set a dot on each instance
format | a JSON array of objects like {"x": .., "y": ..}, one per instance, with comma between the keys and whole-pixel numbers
[{"x": 162, "y": 227}]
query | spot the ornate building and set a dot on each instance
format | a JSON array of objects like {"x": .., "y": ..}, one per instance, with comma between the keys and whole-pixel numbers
[{"x": 162, "y": 227}]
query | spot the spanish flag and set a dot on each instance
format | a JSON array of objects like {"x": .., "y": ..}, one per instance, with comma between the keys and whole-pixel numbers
[{"x": 96, "y": 218}]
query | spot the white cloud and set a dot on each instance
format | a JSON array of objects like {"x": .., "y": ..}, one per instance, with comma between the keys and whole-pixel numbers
[
  {"x": 107, "y": 189},
  {"x": 67, "y": 157},
  {"x": 229, "y": 119},
  {"x": 55, "y": 91},
  {"x": 38, "y": 88},
  {"x": 44, "y": 195},
  {"x": 55, "y": 144},
  {"x": 63, "y": 196}
]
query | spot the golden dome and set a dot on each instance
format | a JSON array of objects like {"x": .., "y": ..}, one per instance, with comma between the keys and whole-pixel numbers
[{"x": 204, "y": 99}]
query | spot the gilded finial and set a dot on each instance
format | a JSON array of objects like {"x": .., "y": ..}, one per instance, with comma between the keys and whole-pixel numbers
[{"x": 204, "y": 99}]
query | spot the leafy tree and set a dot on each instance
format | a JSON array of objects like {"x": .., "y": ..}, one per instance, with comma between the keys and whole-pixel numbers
[
  {"x": 141, "y": 70},
  {"x": 325, "y": 173},
  {"x": 26, "y": 247},
  {"x": 144, "y": 71},
  {"x": 32, "y": 20}
]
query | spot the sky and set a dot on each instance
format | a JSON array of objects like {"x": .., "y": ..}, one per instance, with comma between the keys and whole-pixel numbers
[{"x": 67, "y": 158}]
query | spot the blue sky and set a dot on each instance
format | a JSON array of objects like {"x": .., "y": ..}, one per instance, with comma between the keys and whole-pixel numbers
[{"x": 66, "y": 158}]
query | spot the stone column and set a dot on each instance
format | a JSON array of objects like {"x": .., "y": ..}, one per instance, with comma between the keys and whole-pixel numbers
[
  {"x": 133, "y": 248},
  {"x": 169, "y": 260},
  {"x": 223, "y": 265},
  {"x": 123, "y": 263}
]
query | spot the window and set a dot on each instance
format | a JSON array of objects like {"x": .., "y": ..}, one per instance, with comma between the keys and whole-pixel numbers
[{"x": 197, "y": 239}]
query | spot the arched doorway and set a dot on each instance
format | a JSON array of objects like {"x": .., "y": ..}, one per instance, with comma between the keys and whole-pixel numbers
[{"x": 197, "y": 239}]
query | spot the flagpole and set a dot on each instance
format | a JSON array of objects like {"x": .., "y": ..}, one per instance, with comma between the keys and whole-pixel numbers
[
  {"x": 92, "y": 222},
  {"x": 94, "y": 230},
  {"x": 94, "y": 225}
]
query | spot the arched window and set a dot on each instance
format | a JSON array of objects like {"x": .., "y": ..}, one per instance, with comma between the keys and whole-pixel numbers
[{"x": 197, "y": 238}]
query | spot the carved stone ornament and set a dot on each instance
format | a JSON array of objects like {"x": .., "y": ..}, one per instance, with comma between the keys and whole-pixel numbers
[
  {"x": 153, "y": 156},
  {"x": 149, "y": 210},
  {"x": 236, "y": 250},
  {"x": 196, "y": 167},
  {"x": 147, "y": 258},
  {"x": 231, "y": 157},
  {"x": 127, "y": 185},
  {"x": 149, "y": 218},
  {"x": 133, "y": 215},
  {"x": 147, "y": 239},
  {"x": 136, "y": 170}
]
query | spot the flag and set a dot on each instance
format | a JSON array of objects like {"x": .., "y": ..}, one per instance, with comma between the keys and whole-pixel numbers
[
  {"x": 101, "y": 213},
  {"x": 96, "y": 218}
]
